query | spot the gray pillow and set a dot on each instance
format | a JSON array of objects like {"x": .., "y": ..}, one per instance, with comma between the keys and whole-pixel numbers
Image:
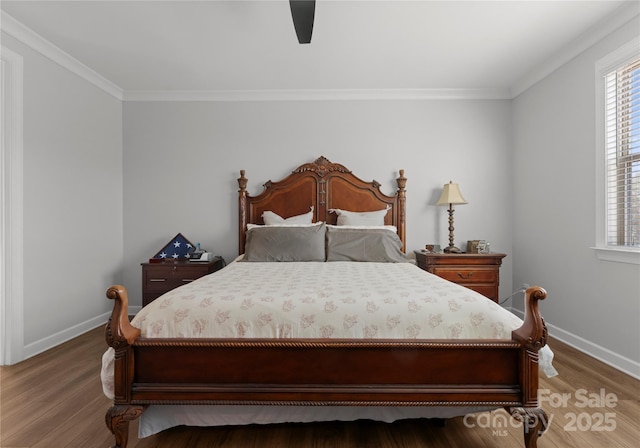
[
  {"x": 376, "y": 245},
  {"x": 286, "y": 243}
]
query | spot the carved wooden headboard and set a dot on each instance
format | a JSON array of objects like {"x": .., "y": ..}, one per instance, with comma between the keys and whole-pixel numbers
[{"x": 323, "y": 185}]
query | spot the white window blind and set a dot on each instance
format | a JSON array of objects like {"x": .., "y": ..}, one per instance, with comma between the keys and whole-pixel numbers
[{"x": 622, "y": 121}]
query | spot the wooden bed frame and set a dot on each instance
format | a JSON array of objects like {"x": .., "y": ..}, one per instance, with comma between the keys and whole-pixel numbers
[
  {"x": 324, "y": 186},
  {"x": 500, "y": 373}
]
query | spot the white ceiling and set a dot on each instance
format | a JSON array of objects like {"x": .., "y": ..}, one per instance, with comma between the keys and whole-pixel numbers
[{"x": 242, "y": 45}]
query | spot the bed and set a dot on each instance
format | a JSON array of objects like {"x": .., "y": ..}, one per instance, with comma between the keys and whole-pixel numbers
[{"x": 323, "y": 360}]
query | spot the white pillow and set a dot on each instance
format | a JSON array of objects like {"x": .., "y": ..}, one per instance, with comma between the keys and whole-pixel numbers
[
  {"x": 347, "y": 218},
  {"x": 273, "y": 219}
]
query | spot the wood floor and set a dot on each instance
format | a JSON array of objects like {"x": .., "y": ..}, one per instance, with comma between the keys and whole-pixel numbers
[{"x": 55, "y": 400}]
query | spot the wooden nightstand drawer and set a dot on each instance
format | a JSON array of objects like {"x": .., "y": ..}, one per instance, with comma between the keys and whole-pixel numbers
[
  {"x": 467, "y": 275},
  {"x": 159, "y": 278},
  {"x": 155, "y": 284},
  {"x": 480, "y": 272},
  {"x": 156, "y": 278}
]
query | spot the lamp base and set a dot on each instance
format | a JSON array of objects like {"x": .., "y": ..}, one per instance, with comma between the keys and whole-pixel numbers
[{"x": 452, "y": 250}]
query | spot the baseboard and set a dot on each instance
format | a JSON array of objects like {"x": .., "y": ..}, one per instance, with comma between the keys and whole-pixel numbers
[
  {"x": 609, "y": 357},
  {"x": 44, "y": 344},
  {"x": 60, "y": 337}
]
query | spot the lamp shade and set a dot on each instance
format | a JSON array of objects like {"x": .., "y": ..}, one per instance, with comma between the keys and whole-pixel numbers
[{"x": 451, "y": 195}]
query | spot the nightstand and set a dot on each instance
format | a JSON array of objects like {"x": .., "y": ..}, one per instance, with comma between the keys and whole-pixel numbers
[
  {"x": 158, "y": 278},
  {"x": 480, "y": 272}
]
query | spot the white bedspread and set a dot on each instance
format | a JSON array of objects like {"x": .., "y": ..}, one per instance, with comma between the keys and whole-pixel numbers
[
  {"x": 325, "y": 300},
  {"x": 322, "y": 300}
]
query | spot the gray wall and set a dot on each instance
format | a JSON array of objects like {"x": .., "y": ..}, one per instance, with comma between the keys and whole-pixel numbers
[
  {"x": 182, "y": 159},
  {"x": 593, "y": 304},
  {"x": 72, "y": 199}
]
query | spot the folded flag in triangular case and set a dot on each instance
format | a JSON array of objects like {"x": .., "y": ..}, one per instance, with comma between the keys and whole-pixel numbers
[{"x": 178, "y": 249}]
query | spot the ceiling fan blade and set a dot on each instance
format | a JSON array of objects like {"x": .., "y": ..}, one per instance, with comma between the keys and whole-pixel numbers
[{"x": 303, "y": 12}]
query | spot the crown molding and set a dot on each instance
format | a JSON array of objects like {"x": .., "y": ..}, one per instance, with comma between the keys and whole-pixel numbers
[
  {"x": 36, "y": 42},
  {"x": 615, "y": 20},
  {"x": 316, "y": 95}
]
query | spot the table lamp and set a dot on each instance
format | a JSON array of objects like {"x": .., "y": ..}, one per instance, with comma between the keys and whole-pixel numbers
[{"x": 451, "y": 195}]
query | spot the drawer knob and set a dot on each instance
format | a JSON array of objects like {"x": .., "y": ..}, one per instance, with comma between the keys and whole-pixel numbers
[
  {"x": 157, "y": 279},
  {"x": 463, "y": 275}
]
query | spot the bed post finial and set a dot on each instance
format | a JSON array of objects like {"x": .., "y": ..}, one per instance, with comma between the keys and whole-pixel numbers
[
  {"x": 242, "y": 181},
  {"x": 119, "y": 332},
  {"x": 402, "y": 181},
  {"x": 533, "y": 330}
]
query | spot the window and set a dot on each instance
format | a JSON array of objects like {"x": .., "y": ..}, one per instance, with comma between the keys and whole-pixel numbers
[
  {"x": 622, "y": 140},
  {"x": 617, "y": 83}
]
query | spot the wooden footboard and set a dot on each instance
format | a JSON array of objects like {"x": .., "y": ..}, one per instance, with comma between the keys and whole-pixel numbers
[{"x": 326, "y": 372}]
